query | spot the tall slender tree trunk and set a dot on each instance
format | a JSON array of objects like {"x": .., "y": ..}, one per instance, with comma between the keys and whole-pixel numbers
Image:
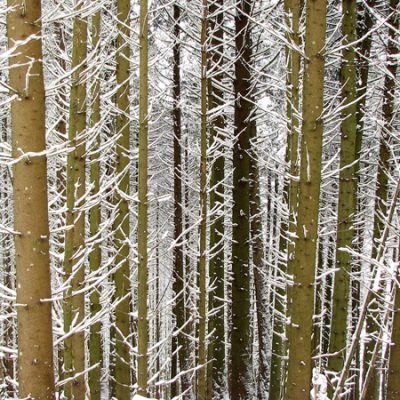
[
  {"x": 122, "y": 368},
  {"x": 202, "y": 348},
  {"x": 384, "y": 169},
  {"x": 179, "y": 341},
  {"x": 31, "y": 222},
  {"x": 347, "y": 203},
  {"x": 95, "y": 345},
  {"x": 216, "y": 346},
  {"x": 142, "y": 358},
  {"x": 74, "y": 304},
  {"x": 303, "y": 265},
  {"x": 286, "y": 245},
  {"x": 241, "y": 384},
  {"x": 257, "y": 247}
]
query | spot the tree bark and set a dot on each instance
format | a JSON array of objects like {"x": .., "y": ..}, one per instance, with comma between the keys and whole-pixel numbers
[
  {"x": 286, "y": 244},
  {"x": 95, "y": 345},
  {"x": 142, "y": 358},
  {"x": 303, "y": 265},
  {"x": 31, "y": 222},
  {"x": 74, "y": 304},
  {"x": 347, "y": 202},
  {"x": 241, "y": 384},
  {"x": 216, "y": 324},
  {"x": 122, "y": 276}
]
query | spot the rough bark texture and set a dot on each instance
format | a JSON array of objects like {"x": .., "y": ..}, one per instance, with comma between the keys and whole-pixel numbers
[
  {"x": 142, "y": 358},
  {"x": 241, "y": 384},
  {"x": 35, "y": 340},
  {"x": 74, "y": 304},
  {"x": 301, "y": 291}
]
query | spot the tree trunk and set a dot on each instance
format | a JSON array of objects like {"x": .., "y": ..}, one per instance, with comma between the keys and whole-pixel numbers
[
  {"x": 241, "y": 384},
  {"x": 216, "y": 324},
  {"x": 74, "y": 304},
  {"x": 303, "y": 264},
  {"x": 35, "y": 338},
  {"x": 179, "y": 341},
  {"x": 286, "y": 243},
  {"x": 95, "y": 345},
  {"x": 257, "y": 247},
  {"x": 347, "y": 202},
  {"x": 142, "y": 358},
  {"x": 122, "y": 368}
]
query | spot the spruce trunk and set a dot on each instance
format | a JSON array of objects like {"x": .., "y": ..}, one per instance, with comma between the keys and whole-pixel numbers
[
  {"x": 31, "y": 222},
  {"x": 122, "y": 276},
  {"x": 216, "y": 324},
  {"x": 142, "y": 358},
  {"x": 74, "y": 304},
  {"x": 347, "y": 203},
  {"x": 95, "y": 345},
  {"x": 301, "y": 290},
  {"x": 241, "y": 384}
]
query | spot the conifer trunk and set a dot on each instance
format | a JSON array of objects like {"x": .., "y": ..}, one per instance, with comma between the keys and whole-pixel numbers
[
  {"x": 301, "y": 291},
  {"x": 95, "y": 345},
  {"x": 179, "y": 340},
  {"x": 142, "y": 358},
  {"x": 122, "y": 368},
  {"x": 74, "y": 304},
  {"x": 35, "y": 338},
  {"x": 286, "y": 246},
  {"x": 257, "y": 247},
  {"x": 347, "y": 204},
  {"x": 216, "y": 346},
  {"x": 241, "y": 384}
]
